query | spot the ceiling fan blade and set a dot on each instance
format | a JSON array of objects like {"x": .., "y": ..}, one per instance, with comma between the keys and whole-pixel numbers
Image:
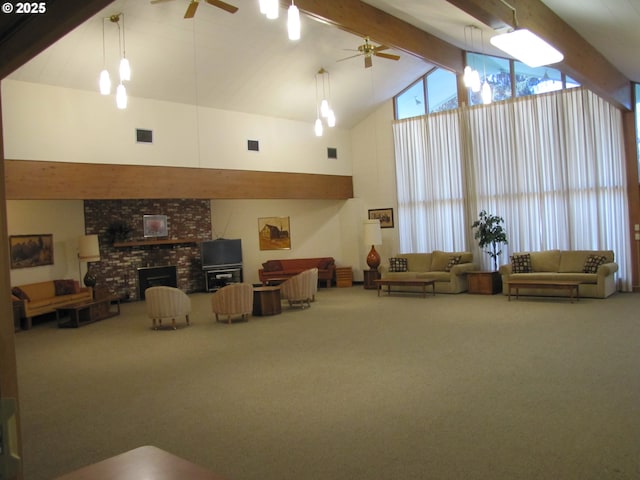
[
  {"x": 380, "y": 47},
  {"x": 223, "y": 5},
  {"x": 347, "y": 58},
  {"x": 153, "y": 2},
  {"x": 368, "y": 63},
  {"x": 389, "y": 56},
  {"x": 191, "y": 9}
]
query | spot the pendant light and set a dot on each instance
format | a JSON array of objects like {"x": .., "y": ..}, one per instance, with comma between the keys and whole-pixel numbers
[
  {"x": 105, "y": 80},
  {"x": 125, "y": 68},
  {"x": 486, "y": 94},
  {"x": 293, "y": 22}
]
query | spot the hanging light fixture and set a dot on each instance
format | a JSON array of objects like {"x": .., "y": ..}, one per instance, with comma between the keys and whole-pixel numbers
[
  {"x": 323, "y": 108},
  {"x": 293, "y": 22},
  {"x": 471, "y": 76},
  {"x": 318, "y": 125},
  {"x": 124, "y": 66},
  {"x": 105, "y": 80},
  {"x": 525, "y": 45},
  {"x": 272, "y": 9}
]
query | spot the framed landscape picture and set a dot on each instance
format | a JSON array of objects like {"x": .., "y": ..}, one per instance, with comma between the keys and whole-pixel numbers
[
  {"x": 385, "y": 215},
  {"x": 274, "y": 233},
  {"x": 31, "y": 250}
]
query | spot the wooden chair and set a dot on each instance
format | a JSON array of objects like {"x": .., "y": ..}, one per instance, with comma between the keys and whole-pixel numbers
[
  {"x": 166, "y": 302},
  {"x": 233, "y": 299}
]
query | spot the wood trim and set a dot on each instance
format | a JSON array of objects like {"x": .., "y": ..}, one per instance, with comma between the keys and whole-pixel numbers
[
  {"x": 581, "y": 60},
  {"x": 633, "y": 192},
  {"x": 362, "y": 19},
  {"x": 38, "y": 180},
  {"x": 25, "y": 36}
]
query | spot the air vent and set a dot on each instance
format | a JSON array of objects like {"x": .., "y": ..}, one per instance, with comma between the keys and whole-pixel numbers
[
  {"x": 253, "y": 145},
  {"x": 332, "y": 152},
  {"x": 144, "y": 136}
]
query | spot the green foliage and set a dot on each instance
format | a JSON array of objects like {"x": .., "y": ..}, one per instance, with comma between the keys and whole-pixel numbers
[{"x": 490, "y": 235}]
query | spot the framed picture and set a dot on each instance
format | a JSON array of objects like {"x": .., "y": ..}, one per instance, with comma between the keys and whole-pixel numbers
[
  {"x": 154, "y": 225},
  {"x": 274, "y": 233},
  {"x": 385, "y": 215},
  {"x": 31, "y": 250}
]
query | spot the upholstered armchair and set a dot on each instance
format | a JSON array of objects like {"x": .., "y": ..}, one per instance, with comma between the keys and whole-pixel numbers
[
  {"x": 300, "y": 289},
  {"x": 233, "y": 299},
  {"x": 166, "y": 302}
]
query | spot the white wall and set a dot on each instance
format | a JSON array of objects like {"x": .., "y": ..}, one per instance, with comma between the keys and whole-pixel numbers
[
  {"x": 43, "y": 122},
  {"x": 76, "y": 126},
  {"x": 62, "y": 218}
]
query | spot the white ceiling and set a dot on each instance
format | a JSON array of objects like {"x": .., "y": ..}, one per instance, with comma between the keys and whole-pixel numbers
[{"x": 244, "y": 62}]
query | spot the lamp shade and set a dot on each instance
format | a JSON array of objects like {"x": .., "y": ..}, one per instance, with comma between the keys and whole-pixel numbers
[
  {"x": 89, "y": 248},
  {"x": 372, "y": 232}
]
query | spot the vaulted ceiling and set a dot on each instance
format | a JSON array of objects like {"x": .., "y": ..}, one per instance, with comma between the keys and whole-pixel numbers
[{"x": 244, "y": 62}]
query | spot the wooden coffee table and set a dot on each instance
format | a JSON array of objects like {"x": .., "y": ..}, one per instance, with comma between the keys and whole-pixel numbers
[
  {"x": 413, "y": 282},
  {"x": 570, "y": 287},
  {"x": 83, "y": 313}
]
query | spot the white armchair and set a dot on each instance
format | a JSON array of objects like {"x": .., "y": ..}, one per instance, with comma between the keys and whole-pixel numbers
[
  {"x": 300, "y": 289},
  {"x": 233, "y": 299},
  {"x": 166, "y": 302}
]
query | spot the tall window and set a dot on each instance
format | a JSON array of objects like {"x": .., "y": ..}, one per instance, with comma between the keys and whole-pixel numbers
[
  {"x": 551, "y": 165},
  {"x": 435, "y": 92},
  {"x": 497, "y": 73}
]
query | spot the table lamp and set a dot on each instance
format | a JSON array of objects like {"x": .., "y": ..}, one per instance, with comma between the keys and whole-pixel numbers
[{"x": 88, "y": 251}]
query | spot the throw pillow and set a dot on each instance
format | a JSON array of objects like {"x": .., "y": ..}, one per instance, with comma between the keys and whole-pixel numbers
[
  {"x": 64, "y": 287},
  {"x": 18, "y": 292},
  {"x": 521, "y": 263},
  {"x": 454, "y": 260},
  {"x": 592, "y": 263},
  {"x": 272, "y": 266},
  {"x": 398, "y": 264},
  {"x": 325, "y": 263}
]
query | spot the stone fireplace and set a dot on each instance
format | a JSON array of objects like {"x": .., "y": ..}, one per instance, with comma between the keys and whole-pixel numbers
[{"x": 188, "y": 221}]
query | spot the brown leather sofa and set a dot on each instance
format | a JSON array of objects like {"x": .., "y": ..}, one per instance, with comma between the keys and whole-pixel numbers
[
  {"x": 44, "y": 297},
  {"x": 286, "y": 268}
]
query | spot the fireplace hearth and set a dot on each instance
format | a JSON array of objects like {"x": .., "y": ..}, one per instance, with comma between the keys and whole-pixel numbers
[{"x": 166, "y": 276}]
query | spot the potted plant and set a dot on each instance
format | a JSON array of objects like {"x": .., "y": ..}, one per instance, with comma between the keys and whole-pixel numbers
[{"x": 490, "y": 235}]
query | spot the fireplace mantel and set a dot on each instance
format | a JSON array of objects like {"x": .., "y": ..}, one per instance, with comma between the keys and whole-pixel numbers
[{"x": 165, "y": 241}]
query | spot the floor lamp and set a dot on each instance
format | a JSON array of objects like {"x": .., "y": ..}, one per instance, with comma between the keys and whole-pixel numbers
[
  {"x": 372, "y": 236},
  {"x": 88, "y": 251}
]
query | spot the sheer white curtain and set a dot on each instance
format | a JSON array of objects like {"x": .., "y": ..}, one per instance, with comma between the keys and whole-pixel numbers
[
  {"x": 551, "y": 165},
  {"x": 430, "y": 187}
]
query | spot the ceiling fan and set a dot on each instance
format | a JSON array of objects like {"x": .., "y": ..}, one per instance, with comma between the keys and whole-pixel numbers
[
  {"x": 193, "y": 6},
  {"x": 369, "y": 51}
]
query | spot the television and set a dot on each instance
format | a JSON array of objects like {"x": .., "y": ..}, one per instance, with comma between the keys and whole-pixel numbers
[{"x": 221, "y": 253}]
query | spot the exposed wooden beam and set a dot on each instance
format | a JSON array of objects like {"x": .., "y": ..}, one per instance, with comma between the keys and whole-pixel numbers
[
  {"x": 581, "y": 60},
  {"x": 362, "y": 19},
  {"x": 24, "y": 36},
  {"x": 37, "y": 180}
]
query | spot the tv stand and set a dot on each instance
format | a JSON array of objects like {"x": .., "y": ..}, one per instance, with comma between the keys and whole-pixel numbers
[{"x": 217, "y": 277}]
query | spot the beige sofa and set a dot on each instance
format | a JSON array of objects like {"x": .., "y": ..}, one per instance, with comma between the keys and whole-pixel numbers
[
  {"x": 44, "y": 297},
  {"x": 435, "y": 265},
  {"x": 566, "y": 265}
]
